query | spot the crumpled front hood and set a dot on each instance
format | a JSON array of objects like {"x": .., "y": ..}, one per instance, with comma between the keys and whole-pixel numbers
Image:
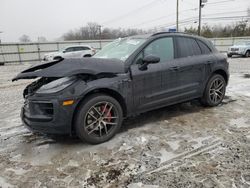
[{"x": 70, "y": 67}]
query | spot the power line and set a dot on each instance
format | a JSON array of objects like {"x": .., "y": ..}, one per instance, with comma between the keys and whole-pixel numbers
[
  {"x": 162, "y": 17},
  {"x": 148, "y": 5},
  {"x": 226, "y": 17},
  {"x": 219, "y": 2},
  {"x": 228, "y": 12},
  {"x": 193, "y": 19}
]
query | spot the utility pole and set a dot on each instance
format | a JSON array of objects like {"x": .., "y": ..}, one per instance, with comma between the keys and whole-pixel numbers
[
  {"x": 100, "y": 36},
  {"x": 199, "y": 27},
  {"x": 201, "y": 5},
  {"x": 177, "y": 16}
]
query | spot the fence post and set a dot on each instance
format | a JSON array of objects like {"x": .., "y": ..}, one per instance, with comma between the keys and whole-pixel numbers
[
  {"x": 57, "y": 45},
  {"x": 1, "y": 46},
  {"x": 19, "y": 55},
  {"x": 38, "y": 51}
]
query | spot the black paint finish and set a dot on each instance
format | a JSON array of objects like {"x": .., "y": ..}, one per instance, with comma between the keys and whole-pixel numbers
[{"x": 160, "y": 84}]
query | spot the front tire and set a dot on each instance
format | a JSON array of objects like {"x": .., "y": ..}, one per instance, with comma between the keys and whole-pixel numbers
[
  {"x": 98, "y": 119},
  {"x": 247, "y": 54},
  {"x": 215, "y": 91},
  {"x": 57, "y": 58}
]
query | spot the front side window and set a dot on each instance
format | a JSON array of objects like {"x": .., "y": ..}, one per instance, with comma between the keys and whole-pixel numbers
[
  {"x": 162, "y": 48},
  {"x": 187, "y": 47},
  {"x": 71, "y": 49},
  {"x": 120, "y": 49}
]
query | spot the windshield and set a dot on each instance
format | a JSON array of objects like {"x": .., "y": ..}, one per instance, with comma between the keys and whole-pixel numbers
[
  {"x": 243, "y": 43},
  {"x": 62, "y": 49},
  {"x": 120, "y": 49}
]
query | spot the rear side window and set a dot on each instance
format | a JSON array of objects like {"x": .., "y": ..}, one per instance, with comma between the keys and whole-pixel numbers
[
  {"x": 163, "y": 48},
  {"x": 204, "y": 47},
  {"x": 80, "y": 48},
  {"x": 187, "y": 47},
  {"x": 85, "y": 48},
  {"x": 70, "y": 49}
]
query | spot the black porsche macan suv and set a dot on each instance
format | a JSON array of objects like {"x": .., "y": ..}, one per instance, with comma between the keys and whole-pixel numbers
[{"x": 92, "y": 96}]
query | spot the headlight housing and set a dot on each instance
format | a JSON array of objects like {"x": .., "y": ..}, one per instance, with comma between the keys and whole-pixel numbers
[{"x": 57, "y": 85}]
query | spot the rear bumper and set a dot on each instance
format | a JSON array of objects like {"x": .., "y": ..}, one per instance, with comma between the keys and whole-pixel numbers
[{"x": 51, "y": 119}]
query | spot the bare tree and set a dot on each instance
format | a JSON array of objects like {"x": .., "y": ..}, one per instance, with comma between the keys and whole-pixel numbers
[
  {"x": 41, "y": 39},
  {"x": 92, "y": 31},
  {"x": 248, "y": 13},
  {"x": 24, "y": 38}
]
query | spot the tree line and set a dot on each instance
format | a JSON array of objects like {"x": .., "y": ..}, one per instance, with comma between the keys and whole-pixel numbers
[
  {"x": 239, "y": 29},
  {"x": 93, "y": 31}
]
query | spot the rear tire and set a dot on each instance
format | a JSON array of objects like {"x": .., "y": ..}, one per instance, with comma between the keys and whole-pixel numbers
[
  {"x": 229, "y": 55},
  {"x": 215, "y": 91},
  {"x": 98, "y": 119},
  {"x": 87, "y": 55}
]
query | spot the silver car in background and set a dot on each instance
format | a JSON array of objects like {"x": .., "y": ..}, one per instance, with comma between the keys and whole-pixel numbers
[
  {"x": 241, "y": 48},
  {"x": 77, "y": 51}
]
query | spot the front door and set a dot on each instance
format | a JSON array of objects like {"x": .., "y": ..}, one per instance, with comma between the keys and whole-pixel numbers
[{"x": 148, "y": 91}]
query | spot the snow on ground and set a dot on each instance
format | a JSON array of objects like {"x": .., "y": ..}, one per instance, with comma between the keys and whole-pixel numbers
[{"x": 184, "y": 145}]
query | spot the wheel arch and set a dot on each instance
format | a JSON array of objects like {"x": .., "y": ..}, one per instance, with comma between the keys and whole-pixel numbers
[
  {"x": 87, "y": 55},
  {"x": 110, "y": 92},
  {"x": 247, "y": 50},
  {"x": 57, "y": 57},
  {"x": 222, "y": 73}
]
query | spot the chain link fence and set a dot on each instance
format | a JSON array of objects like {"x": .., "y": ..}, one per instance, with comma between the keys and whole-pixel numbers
[{"x": 32, "y": 52}]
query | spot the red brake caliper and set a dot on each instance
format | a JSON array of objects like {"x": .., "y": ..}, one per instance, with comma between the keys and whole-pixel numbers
[{"x": 109, "y": 115}]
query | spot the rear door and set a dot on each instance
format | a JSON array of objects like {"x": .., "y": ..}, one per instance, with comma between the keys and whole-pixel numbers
[{"x": 189, "y": 69}]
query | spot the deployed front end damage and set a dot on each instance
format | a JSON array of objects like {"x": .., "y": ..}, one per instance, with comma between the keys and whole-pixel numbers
[{"x": 51, "y": 99}]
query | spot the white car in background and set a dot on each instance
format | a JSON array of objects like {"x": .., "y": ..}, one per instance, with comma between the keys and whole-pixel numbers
[
  {"x": 78, "y": 51},
  {"x": 241, "y": 48}
]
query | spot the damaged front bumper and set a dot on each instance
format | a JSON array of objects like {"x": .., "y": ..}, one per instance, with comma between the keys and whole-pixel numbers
[{"x": 47, "y": 116}]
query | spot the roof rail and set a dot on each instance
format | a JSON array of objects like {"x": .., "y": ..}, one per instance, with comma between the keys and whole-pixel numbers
[{"x": 165, "y": 32}]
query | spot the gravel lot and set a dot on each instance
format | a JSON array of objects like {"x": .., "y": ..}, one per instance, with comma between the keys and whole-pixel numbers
[{"x": 184, "y": 145}]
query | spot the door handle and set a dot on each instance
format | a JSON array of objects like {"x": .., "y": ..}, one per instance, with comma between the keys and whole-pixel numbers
[{"x": 175, "y": 68}]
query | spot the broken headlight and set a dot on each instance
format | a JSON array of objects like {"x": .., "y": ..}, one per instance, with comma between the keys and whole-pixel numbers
[{"x": 56, "y": 85}]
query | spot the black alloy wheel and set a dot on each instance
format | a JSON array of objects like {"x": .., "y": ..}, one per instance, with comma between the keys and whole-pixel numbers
[
  {"x": 215, "y": 91},
  {"x": 99, "y": 118}
]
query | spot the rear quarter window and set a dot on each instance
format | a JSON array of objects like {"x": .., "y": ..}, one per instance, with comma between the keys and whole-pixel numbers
[
  {"x": 204, "y": 48},
  {"x": 187, "y": 47}
]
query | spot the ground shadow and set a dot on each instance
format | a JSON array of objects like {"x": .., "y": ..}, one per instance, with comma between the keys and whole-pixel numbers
[{"x": 165, "y": 113}]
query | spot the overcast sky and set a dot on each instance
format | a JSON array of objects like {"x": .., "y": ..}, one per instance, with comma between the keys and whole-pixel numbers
[{"x": 53, "y": 18}]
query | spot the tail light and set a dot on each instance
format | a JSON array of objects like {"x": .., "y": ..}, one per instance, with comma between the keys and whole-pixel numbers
[{"x": 93, "y": 50}]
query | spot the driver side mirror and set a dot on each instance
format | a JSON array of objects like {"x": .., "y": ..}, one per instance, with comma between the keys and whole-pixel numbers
[{"x": 149, "y": 59}]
